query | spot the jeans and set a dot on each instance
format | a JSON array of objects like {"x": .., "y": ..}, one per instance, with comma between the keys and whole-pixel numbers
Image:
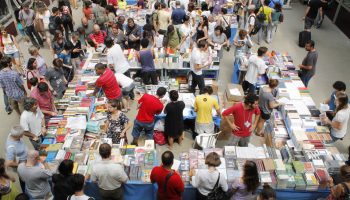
[
  {"x": 271, "y": 30},
  {"x": 36, "y": 144},
  {"x": 305, "y": 78},
  {"x": 239, "y": 141},
  {"x": 197, "y": 80},
  {"x": 143, "y": 126},
  {"x": 31, "y": 32},
  {"x": 7, "y": 103},
  {"x": 262, "y": 31}
]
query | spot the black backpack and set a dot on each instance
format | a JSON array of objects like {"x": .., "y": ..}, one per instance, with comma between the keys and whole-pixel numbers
[
  {"x": 52, "y": 25},
  {"x": 257, "y": 26}
]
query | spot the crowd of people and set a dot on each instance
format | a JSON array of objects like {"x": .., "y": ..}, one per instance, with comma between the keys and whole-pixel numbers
[{"x": 177, "y": 26}]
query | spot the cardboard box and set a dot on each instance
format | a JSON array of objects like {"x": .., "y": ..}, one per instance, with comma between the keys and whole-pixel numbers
[
  {"x": 234, "y": 92},
  {"x": 225, "y": 129},
  {"x": 228, "y": 103},
  {"x": 213, "y": 84}
]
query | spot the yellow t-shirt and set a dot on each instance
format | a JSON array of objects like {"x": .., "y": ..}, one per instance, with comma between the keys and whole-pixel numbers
[
  {"x": 122, "y": 5},
  {"x": 204, "y": 105},
  {"x": 267, "y": 11}
]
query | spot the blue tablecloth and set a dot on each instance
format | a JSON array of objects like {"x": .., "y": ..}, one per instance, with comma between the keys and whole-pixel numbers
[
  {"x": 235, "y": 73},
  {"x": 144, "y": 191}
]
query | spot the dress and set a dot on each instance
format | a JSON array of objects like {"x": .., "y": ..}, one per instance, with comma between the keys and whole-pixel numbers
[
  {"x": 174, "y": 125},
  {"x": 116, "y": 127}
]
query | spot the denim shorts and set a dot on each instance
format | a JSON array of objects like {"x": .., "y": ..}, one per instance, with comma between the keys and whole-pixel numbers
[{"x": 13, "y": 55}]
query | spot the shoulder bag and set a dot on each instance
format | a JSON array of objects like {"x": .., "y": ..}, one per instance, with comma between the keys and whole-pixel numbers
[{"x": 217, "y": 193}]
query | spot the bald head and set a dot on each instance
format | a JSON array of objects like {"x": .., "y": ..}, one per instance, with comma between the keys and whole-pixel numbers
[
  {"x": 96, "y": 28},
  {"x": 33, "y": 156}
]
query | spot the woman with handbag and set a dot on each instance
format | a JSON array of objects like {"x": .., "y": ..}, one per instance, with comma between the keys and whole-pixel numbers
[
  {"x": 245, "y": 187},
  {"x": 264, "y": 18},
  {"x": 209, "y": 182}
]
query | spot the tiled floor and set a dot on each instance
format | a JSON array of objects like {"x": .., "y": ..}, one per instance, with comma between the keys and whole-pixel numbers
[{"x": 333, "y": 64}]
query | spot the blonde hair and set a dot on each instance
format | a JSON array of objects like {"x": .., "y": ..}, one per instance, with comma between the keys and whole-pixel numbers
[{"x": 32, "y": 50}]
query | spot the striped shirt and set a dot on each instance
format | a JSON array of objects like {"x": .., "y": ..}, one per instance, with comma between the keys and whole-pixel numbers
[
  {"x": 109, "y": 84},
  {"x": 99, "y": 37}
]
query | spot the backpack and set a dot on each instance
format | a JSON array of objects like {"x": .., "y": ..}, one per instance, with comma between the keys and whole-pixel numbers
[
  {"x": 150, "y": 18},
  {"x": 257, "y": 26},
  {"x": 261, "y": 17},
  {"x": 101, "y": 18},
  {"x": 52, "y": 25},
  {"x": 281, "y": 18}
]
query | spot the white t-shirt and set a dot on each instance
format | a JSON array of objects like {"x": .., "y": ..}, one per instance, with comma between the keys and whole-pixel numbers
[
  {"x": 115, "y": 57},
  {"x": 250, "y": 22},
  {"x": 84, "y": 197},
  {"x": 108, "y": 174},
  {"x": 9, "y": 45},
  {"x": 186, "y": 31},
  {"x": 256, "y": 66},
  {"x": 206, "y": 13},
  {"x": 123, "y": 80},
  {"x": 196, "y": 58},
  {"x": 342, "y": 116},
  {"x": 211, "y": 28},
  {"x": 32, "y": 121}
]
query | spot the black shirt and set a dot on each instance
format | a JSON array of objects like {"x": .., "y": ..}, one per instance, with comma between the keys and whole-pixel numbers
[
  {"x": 314, "y": 7},
  {"x": 76, "y": 46},
  {"x": 62, "y": 186}
]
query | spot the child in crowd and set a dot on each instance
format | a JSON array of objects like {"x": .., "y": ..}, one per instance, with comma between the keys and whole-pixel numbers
[
  {"x": 267, "y": 193},
  {"x": 78, "y": 187},
  {"x": 117, "y": 122},
  {"x": 33, "y": 82},
  {"x": 65, "y": 56},
  {"x": 149, "y": 73}
]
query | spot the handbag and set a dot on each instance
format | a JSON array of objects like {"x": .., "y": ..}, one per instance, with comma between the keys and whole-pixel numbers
[
  {"x": 227, "y": 29},
  {"x": 261, "y": 17},
  {"x": 159, "y": 137},
  {"x": 217, "y": 193}
]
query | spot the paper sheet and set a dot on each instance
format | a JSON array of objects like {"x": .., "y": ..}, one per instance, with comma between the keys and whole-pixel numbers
[
  {"x": 283, "y": 100},
  {"x": 176, "y": 165},
  {"x": 78, "y": 122},
  {"x": 235, "y": 91}
]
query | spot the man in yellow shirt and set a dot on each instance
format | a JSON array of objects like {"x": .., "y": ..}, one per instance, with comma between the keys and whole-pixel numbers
[
  {"x": 265, "y": 9},
  {"x": 204, "y": 105}
]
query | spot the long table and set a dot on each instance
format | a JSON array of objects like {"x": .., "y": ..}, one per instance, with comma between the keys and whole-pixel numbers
[{"x": 147, "y": 191}]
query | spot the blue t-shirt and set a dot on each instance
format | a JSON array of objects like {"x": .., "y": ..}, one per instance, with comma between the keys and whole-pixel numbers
[
  {"x": 65, "y": 57},
  {"x": 178, "y": 16},
  {"x": 331, "y": 103},
  {"x": 272, "y": 3},
  {"x": 16, "y": 149}
]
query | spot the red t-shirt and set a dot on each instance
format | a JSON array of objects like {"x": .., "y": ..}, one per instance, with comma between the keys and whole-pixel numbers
[
  {"x": 241, "y": 116},
  {"x": 99, "y": 37},
  {"x": 109, "y": 84},
  {"x": 150, "y": 106},
  {"x": 45, "y": 100},
  {"x": 174, "y": 188},
  {"x": 87, "y": 12}
]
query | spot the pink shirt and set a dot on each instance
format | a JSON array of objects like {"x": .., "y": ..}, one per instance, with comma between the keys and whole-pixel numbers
[{"x": 45, "y": 100}]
